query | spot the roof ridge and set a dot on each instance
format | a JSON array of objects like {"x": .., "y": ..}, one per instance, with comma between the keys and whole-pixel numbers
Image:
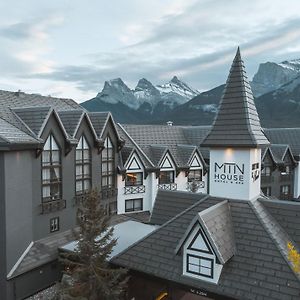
[
  {"x": 163, "y": 225},
  {"x": 277, "y": 234}
]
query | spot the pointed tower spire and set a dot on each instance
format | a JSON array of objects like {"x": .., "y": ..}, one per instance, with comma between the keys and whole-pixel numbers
[{"x": 237, "y": 123}]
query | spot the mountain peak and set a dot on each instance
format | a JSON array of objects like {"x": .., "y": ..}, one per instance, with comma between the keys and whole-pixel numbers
[{"x": 175, "y": 79}]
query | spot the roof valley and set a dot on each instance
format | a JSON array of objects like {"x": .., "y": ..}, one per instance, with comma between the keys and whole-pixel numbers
[{"x": 276, "y": 232}]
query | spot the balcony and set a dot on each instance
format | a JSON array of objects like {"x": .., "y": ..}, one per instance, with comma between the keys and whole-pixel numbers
[
  {"x": 286, "y": 196},
  {"x": 267, "y": 179},
  {"x": 108, "y": 193},
  {"x": 78, "y": 199},
  {"x": 134, "y": 189},
  {"x": 194, "y": 186},
  {"x": 51, "y": 206},
  {"x": 168, "y": 186}
]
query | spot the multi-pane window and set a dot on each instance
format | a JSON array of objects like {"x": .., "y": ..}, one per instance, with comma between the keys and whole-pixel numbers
[
  {"x": 266, "y": 171},
  {"x": 166, "y": 177},
  {"x": 108, "y": 163},
  {"x": 83, "y": 166},
  {"x": 134, "y": 179},
  {"x": 133, "y": 205},
  {"x": 285, "y": 190},
  {"x": 287, "y": 170},
  {"x": 266, "y": 190},
  {"x": 199, "y": 265},
  {"x": 195, "y": 175},
  {"x": 51, "y": 170},
  {"x": 54, "y": 224}
]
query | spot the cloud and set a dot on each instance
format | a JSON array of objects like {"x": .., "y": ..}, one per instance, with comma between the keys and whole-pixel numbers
[
  {"x": 193, "y": 39},
  {"x": 25, "y": 46}
]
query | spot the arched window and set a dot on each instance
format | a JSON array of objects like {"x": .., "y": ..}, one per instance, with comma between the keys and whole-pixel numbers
[
  {"x": 83, "y": 166},
  {"x": 108, "y": 163},
  {"x": 51, "y": 171}
]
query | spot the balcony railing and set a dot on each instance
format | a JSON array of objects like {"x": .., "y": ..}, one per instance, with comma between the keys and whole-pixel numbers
[
  {"x": 78, "y": 199},
  {"x": 286, "y": 177},
  {"x": 108, "y": 193},
  {"x": 51, "y": 206},
  {"x": 168, "y": 186},
  {"x": 267, "y": 179},
  {"x": 134, "y": 189},
  {"x": 286, "y": 197},
  {"x": 194, "y": 186}
]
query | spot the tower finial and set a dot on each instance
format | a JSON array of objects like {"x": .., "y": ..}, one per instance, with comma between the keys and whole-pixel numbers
[{"x": 238, "y": 54}]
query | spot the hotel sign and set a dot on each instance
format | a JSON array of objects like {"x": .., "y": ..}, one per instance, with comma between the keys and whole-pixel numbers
[{"x": 229, "y": 172}]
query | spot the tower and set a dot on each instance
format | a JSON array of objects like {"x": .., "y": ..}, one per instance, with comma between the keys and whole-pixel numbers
[{"x": 235, "y": 140}]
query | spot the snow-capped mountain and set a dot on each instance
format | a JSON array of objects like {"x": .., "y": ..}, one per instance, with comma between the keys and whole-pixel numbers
[
  {"x": 270, "y": 76},
  {"x": 178, "y": 87},
  {"x": 145, "y": 95}
]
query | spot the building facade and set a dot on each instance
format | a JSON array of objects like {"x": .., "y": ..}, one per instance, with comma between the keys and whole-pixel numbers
[{"x": 51, "y": 153}]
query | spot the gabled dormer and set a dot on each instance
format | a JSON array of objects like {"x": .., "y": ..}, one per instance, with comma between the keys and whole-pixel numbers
[{"x": 208, "y": 243}]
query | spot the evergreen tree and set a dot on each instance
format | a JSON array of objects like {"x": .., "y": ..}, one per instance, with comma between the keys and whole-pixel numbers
[{"x": 88, "y": 275}]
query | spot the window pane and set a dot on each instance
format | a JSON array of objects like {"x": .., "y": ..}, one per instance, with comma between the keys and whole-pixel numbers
[
  {"x": 78, "y": 155},
  {"x": 46, "y": 191},
  {"x": 46, "y": 175},
  {"x": 128, "y": 205},
  {"x": 54, "y": 145},
  {"x": 85, "y": 144},
  {"x": 205, "y": 263},
  {"x": 46, "y": 157},
  {"x": 78, "y": 186},
  {"x": 205, "y": 271},
  {"x": 55, "y": 157},
  {"x": 86, "y": 170},
  {"x": 86, "y": 155},
  {"x": 87, "y": 184}
]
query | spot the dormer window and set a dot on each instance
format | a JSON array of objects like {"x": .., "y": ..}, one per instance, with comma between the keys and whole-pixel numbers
[
  {"x": 166, "y": 177},
  {"x": 199, "y": 258},
  {"x": 195, "y": 175},
  {"x": 133, "y": 179},
  {"x": 51, "y": 170},
  {"x": 208, "y": 243},
  {"x": 266, "y": 171}
]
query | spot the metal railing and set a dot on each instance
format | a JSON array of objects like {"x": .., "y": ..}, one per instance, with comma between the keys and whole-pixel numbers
[
  {"x": 134, "y": 189},
  {"x": 194, "y": 186},
  {"x": 167, "y": 186},
  {"x": 54, "y": 205},
  {"x": 108, "y": 193}
]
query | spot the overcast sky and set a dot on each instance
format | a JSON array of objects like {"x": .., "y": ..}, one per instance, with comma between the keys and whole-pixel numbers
[{"x": 69, "y": 48}]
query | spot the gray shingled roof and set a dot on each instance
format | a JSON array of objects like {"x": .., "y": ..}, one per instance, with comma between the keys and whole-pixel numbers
[
  {"x": 165, "y": 207},
  {"x": 289, "y": 136},
  {"x": 25, "y": 114},
  {"x": 33, "y": 117},
  {"x": 237, "y": 122},
  {"x": 287, "y": 214},
  {"x": 98, "y": 120},
  {"x": 71, "y": 120},
  {"x": 258, "y": 270},
  {"x": 11, "y": 134},
  {"x": 46, "y": 250},
  {"x": 155, "y": 140},
  {"x": 217, "y": 223}
]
